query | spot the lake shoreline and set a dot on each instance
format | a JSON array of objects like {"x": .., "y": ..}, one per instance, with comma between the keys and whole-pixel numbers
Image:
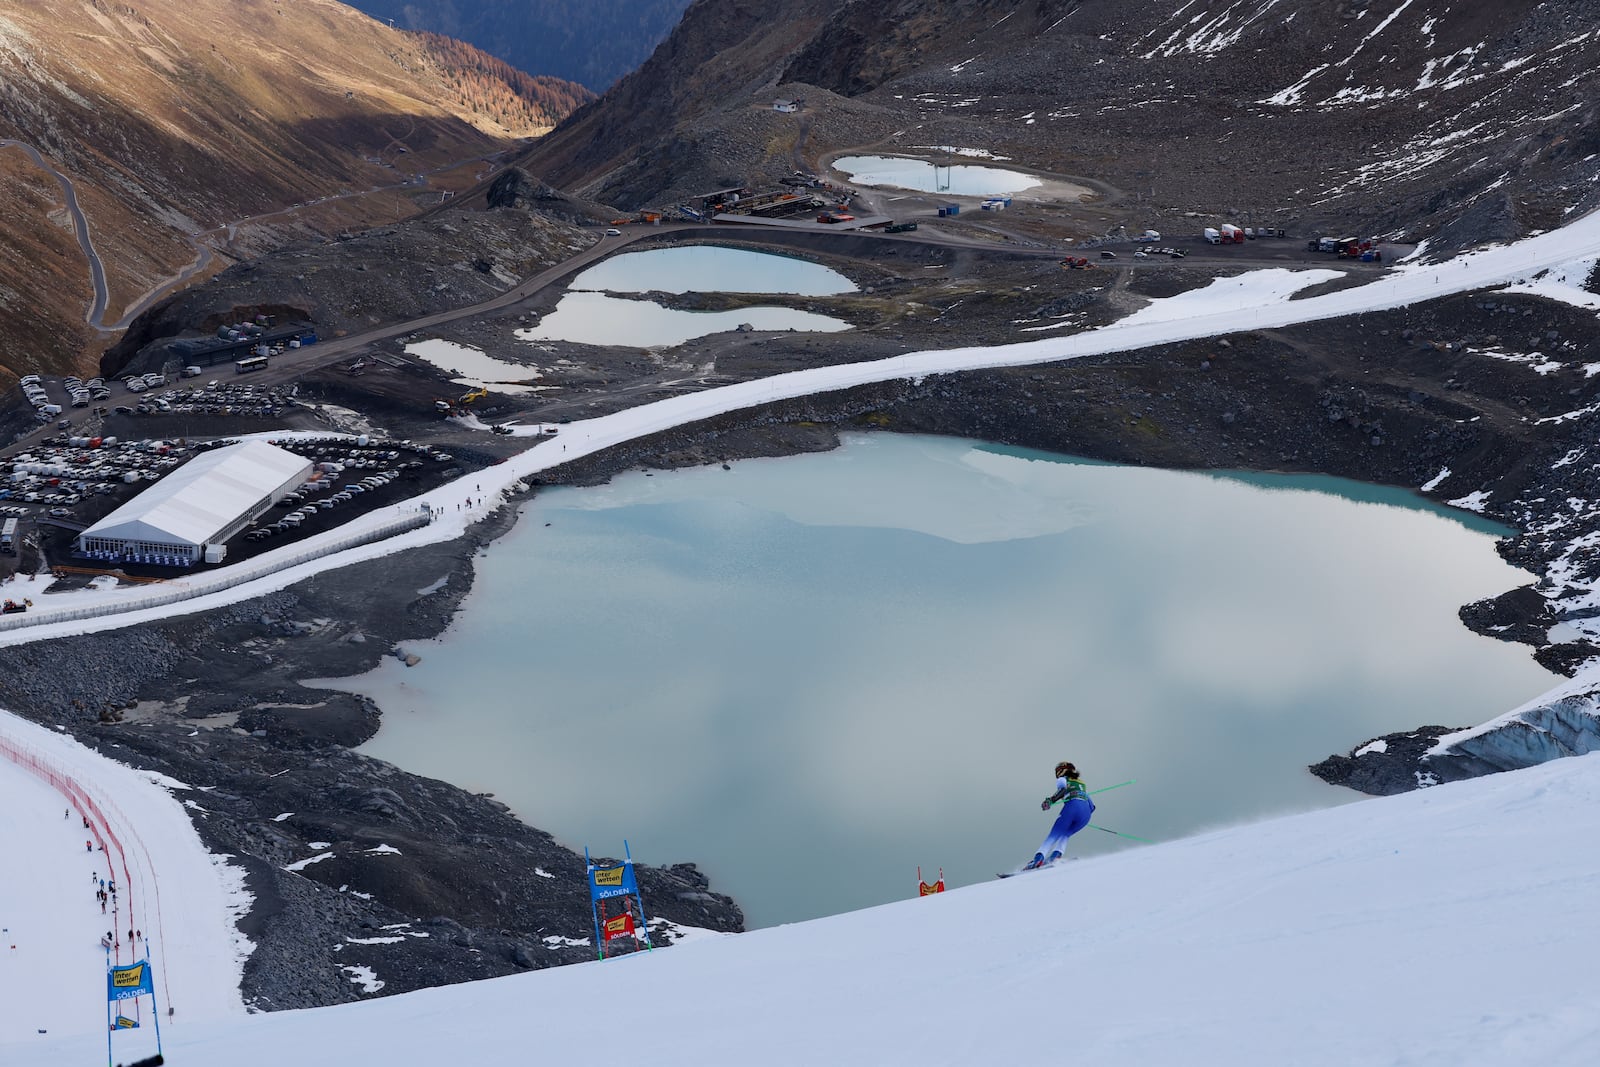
[{"x": 1190, "y": 406}]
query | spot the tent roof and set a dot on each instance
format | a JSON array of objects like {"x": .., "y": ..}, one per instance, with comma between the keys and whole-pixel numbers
[{"x": 201, "y": 498}]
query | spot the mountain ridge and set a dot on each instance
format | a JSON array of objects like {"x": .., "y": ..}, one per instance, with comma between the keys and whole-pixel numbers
[
  {"x": 1397, "y": 116},
  {"x": 591, "y": 42},
  {"x": 166, "y": 136}
]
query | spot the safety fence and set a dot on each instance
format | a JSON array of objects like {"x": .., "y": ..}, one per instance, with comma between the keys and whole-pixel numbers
[
  {"x": 99, "y": 827},
  {"x": 100, "y": 830},
  {"x": 182, "y": 589}
]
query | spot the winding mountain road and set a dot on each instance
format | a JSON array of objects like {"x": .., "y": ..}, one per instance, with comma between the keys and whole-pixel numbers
[{"x": 96, "y": 314}]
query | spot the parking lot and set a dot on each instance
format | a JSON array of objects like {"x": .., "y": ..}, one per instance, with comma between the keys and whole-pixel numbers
[
  {"x": 352, "y": 475},
  {"x": 57, "y": 488}
]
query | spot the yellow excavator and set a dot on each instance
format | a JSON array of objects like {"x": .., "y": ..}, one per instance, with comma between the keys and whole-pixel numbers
[{"x": 452, "y": 407}]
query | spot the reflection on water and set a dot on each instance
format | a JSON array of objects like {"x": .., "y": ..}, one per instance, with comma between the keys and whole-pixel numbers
[
  {"x": 812, "y": 674},
  {"x": 477, "y": 368},
  {"x": 598, "y": 319},
  {"x": 712, "y": 269},
  {"x": 961, "y": 179}
]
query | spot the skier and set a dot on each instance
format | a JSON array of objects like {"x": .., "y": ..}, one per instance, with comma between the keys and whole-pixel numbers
[{"x": 1076, "y": 811}]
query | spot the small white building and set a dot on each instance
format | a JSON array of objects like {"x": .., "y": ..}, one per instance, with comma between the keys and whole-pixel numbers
[
  {"x": 201, "y": 504},
  {"x": 788, "y": 107}
]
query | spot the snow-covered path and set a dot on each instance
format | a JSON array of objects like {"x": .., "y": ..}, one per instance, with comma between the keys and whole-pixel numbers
[
  {"x": 1257, "y": 300},
  {"x": 1451, "y": 926}
]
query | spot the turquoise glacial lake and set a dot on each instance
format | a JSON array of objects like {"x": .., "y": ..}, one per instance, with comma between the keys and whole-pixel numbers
[{"x": 812, "y": 675}]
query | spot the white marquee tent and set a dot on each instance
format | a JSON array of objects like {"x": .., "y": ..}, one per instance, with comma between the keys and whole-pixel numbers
[{"x": 204, "y": 502}]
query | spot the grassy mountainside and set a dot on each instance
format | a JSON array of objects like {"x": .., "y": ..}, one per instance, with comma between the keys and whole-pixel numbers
[{"x": 174, "y": 118}]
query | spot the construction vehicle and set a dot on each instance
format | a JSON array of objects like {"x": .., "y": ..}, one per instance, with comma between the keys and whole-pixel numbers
[
  {"x": 1076, "y": 263},
  {"x": 451, "y": 408}
]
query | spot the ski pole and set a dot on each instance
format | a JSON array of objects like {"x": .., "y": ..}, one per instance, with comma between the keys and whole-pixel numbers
[{"x": 1130, "y": 837}]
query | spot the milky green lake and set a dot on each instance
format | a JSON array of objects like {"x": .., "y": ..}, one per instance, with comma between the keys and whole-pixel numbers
[{"x": 812, "y": 674}]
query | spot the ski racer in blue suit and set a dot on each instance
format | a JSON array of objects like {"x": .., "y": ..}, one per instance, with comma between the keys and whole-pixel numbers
[{"x": 1076, "y": 810}]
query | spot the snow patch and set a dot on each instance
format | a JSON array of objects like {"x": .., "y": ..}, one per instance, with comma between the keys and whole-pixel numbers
[
  {"x": 557, "y": 941},
  {"x": 1437, "y": 480},
  {"x": 364, "y": 977}
]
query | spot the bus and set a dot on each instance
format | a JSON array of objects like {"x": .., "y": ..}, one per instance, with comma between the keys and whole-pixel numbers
[
  {"x": 245, "y": 366},
  {"x": 8, "y": 537}
]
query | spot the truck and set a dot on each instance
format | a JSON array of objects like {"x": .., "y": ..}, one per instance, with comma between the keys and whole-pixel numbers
[
  {"x": 1232, "y": 235},
  {"x": 900, "y": 227},
  {"x": 1213, "y": 236}
]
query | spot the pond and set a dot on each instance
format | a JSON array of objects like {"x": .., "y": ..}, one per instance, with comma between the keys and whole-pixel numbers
[
  {"x": 600, "y": 319},
  {"x": 813, "y": 674},
  {"x": 711, "y": 269},
  {"x": 961, "y": 179},
  {"x": 475, "y": 368},
  {"x": 587, "y": 315}
]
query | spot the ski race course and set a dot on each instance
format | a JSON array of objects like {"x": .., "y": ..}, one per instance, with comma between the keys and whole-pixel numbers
[{"x": 1445, "y": 926}]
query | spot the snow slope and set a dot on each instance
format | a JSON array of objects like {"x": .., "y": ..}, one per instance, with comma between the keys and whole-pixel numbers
[
  {"x": 1449, "y": 926},
  {"x": 181, "y": 898}
]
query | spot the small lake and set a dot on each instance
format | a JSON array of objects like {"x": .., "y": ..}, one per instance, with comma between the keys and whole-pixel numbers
[
  {"x": 600, "y": 319},
  {"x": 711, "y": 269},
  {"x": 588, "y": 315},
  {"x": 476, "y": 368},
  {"x": 960, "y": 179},
  {"x": 812, "y": 674}
]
